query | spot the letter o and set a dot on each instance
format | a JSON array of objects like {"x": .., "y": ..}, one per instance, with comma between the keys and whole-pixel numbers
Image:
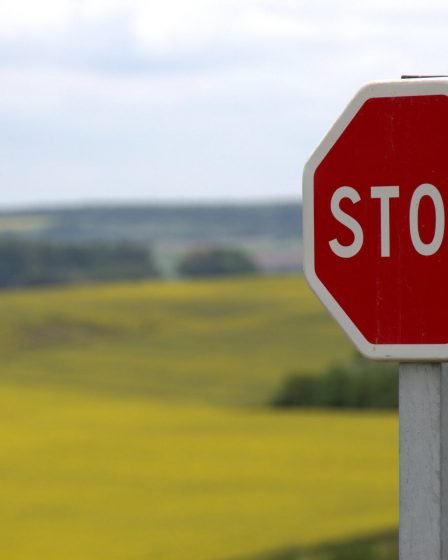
[{"x": 427, "y": 249}]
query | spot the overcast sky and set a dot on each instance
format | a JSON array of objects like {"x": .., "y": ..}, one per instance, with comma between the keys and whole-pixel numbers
[{"x": 124, "y": 100}]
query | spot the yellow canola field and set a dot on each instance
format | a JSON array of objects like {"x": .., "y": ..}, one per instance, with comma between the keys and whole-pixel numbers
[
  {"x": 227, "y": 342},
  {"x": 130, "y": 425},
  {"x": 87, "y": 477}
]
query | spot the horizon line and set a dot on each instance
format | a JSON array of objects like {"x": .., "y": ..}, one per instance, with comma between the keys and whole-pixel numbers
[{"x": 133, "y": 203}]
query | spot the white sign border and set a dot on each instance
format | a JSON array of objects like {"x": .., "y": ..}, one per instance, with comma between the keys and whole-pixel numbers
[{"x": 401, "y": 352}]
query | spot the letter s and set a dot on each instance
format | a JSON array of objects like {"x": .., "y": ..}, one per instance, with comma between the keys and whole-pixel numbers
[{"x": 346, "y": 251}]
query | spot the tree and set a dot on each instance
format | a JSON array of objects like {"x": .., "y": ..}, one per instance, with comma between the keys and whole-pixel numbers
[{"x": 216, "y": 261}]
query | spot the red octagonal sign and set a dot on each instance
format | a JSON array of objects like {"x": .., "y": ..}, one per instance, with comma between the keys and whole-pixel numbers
[{"x": 375, "y": 205}]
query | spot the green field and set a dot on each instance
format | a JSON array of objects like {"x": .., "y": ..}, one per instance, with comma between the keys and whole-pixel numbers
[{"x": 132, "y": 427}]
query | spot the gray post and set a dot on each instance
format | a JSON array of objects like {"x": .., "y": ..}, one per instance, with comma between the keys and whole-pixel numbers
[{"x": 423, "y": 461}]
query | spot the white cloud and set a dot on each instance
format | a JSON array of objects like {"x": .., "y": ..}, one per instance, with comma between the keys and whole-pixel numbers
[
  {"x": 23, "y": 16},
  {"x": 175, "y": 25},
  {"x": 262, "y": 47}
]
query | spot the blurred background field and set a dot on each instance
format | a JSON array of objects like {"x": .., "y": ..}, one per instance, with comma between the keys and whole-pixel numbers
[
  {"x": 91, "y": 476},
  {"x": 135, "y": 424},
  {"x": 220, "y": 341}
]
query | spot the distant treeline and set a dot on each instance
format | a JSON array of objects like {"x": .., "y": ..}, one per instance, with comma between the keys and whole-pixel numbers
[
  {"x": 25, "y": 263},
  {"x": 153, "y": 223},
  {"x": 359, "y": 384}
]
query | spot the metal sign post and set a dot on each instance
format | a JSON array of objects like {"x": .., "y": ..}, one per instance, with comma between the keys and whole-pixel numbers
[
  {"x": 423, "y": 417},
  {"x": 423, "y": 461}
]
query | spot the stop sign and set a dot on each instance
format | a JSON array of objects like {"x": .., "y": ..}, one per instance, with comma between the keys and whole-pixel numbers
[{"x": 375, "y": 200}]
